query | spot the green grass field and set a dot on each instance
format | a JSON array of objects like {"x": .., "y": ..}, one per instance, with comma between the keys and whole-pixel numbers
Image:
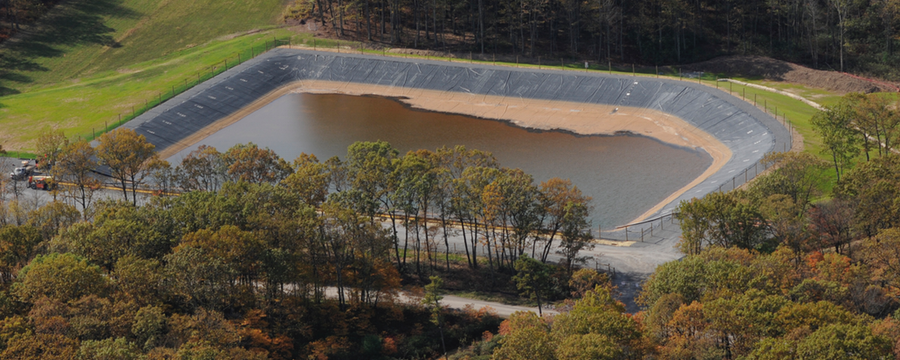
[{"x": 89, "y": 61}]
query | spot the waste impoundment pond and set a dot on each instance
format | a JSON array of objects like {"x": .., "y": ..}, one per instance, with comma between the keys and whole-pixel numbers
[{"x": 625, "y": 175}]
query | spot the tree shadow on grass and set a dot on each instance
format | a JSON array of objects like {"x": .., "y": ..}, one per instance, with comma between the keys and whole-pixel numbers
[{"x": 79, "y": 22}]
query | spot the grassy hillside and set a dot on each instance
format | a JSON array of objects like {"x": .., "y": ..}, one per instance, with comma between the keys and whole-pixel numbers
[
  {"x": 84, "y": 37},
  {"x": 88, "y": 61}
]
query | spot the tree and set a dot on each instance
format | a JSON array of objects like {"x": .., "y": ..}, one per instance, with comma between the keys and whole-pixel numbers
[
  {"x": 786, "y": 222},
  {"x": 149, "y": 326},
  {"x": 162, "y": 176},
  {"x": 576, "y": 234},
  {"x": 533, "y": 279},
  {"x": 110, "y": 349},
  {"x": 202, "y": 169},
  {"x": 831, "y": 221},
  {"x": 802, "y": 173},
  {"x": 197, "y": 278},
  {"x": 41, "y": 346},
  {"x": 838, "y": 136},
  {"x": 310, "y": 180},
  {"x": 556, "y": 195},
  {"x": 77, "y": 164},
  {"x": 53, "y": 217},
  {"x": 247, "y": 162},
  {"x": 63, "y": 277},
  {"x": 127, "y": 155},
  {"x": 432, "y": 301},
  {"x": 527, "y": 336},
  {"x": 883, "y": 257},
  {"x": 597, "y": 327},
  {"x": 843, "y": 341},
  {"x": 50, "y": 145},
  {"x": 17, "y": 245},
  {"x": 722, "y": 219}
]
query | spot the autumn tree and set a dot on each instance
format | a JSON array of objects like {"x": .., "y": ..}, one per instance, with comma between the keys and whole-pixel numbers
[
  {"x": 556, "y": 196},
  {"x": 802, "y": 174},
  {"x": 162, "y": 176},
  {"x": 310, "y": 180},
  {"x": 202, "y": 169},
  {"x": 53, "y": 217},
  {"x": 76, "y": 164},
  {"x": 831, "y": 221},
  {"x": 127, "y": 155},
  {"x": 722, "y": 219},
  {"x": 871, "y": 189},
  {"x": 247, "y": 162},
  {"x": 50, "y": 145},
  {"x": 883, "y": 255},
  {"x": 62, "y": 277},
  {"x": 197, "y": 278},
  {"x": 17, "y": 246},
  {"x": 527, "y": 337},
  {"x": 576, "y": 234}
]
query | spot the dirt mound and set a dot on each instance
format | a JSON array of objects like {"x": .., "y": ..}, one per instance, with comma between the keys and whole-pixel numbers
[{"x": 777, "y": 70}]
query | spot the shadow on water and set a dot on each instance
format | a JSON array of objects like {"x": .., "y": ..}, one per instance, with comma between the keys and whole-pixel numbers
[{"x": 81, "y": 22}]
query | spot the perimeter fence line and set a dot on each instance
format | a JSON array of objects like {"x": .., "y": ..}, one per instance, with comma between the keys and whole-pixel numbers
[
  {"x": 177, "y": 88},
  {"x": 657, "y": 228}
]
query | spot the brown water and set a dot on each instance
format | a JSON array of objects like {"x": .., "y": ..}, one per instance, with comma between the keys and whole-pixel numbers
[{"x": 625, "y": 175}]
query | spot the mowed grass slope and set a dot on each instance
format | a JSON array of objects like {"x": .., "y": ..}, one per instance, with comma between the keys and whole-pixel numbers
[{"x": 88, "y": 61}]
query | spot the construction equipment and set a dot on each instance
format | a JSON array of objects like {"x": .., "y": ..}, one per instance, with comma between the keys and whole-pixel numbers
[
  {"x": 23, "y": 172},
  {"x": 41, "y": 182}
]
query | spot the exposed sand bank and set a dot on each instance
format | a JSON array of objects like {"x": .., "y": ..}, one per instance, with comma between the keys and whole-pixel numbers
[{"x": 579, "y": 118}]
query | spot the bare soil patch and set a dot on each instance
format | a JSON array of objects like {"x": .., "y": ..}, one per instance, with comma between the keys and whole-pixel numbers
[{"x": 777, "y": 70}]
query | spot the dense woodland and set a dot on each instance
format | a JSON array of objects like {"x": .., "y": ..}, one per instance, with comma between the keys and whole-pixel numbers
[
  {"x": 14, "y": 14},
  {"x": 845, "y": 35},
  {"x": 260, "y": 257}
]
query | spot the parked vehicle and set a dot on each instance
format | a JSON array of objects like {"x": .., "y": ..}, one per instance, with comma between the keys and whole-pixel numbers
[{"x": 23, "y": 172}]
